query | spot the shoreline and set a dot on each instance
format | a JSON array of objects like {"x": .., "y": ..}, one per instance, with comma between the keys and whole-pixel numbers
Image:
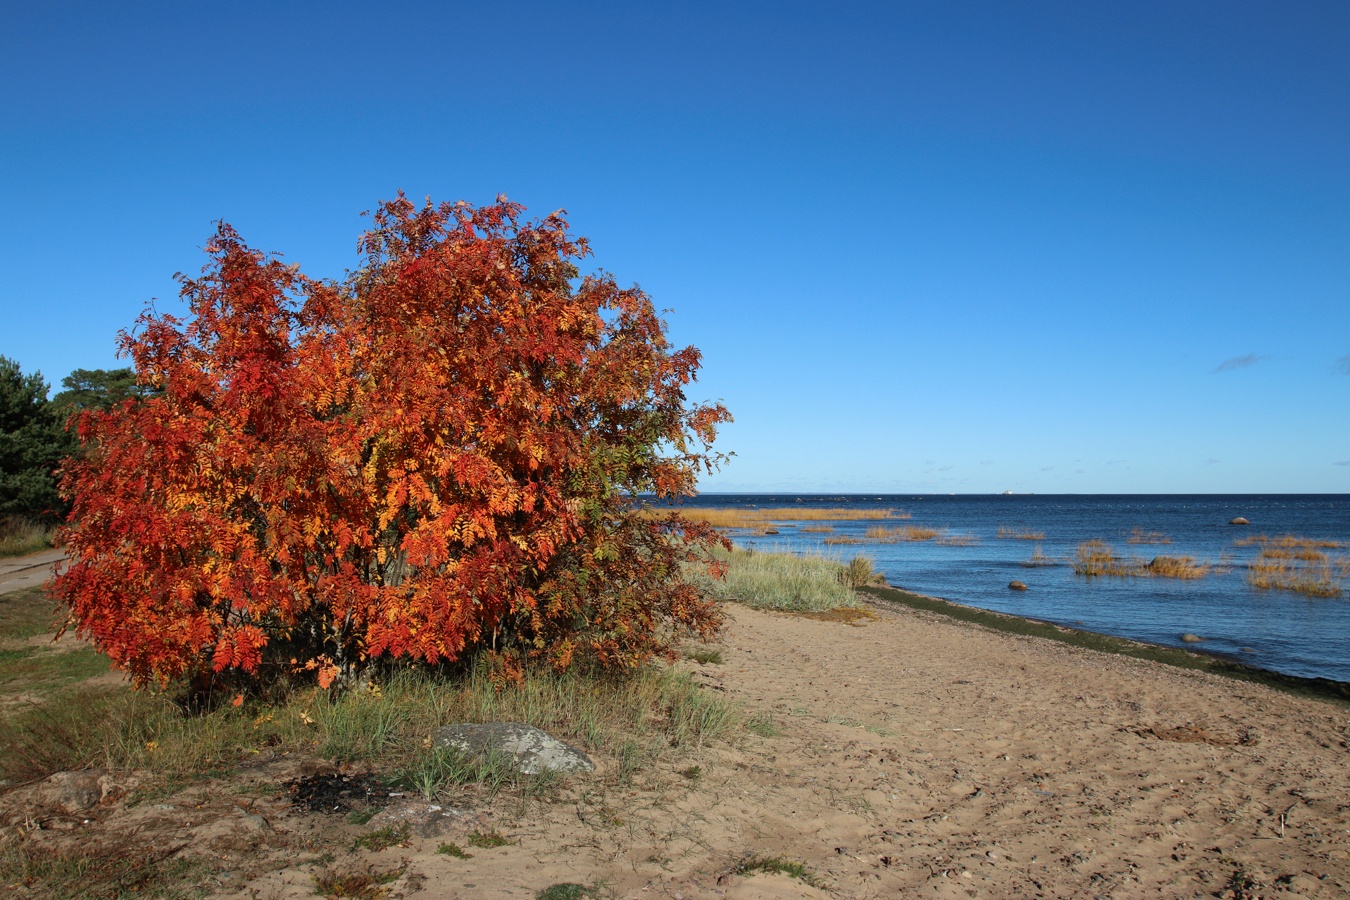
[{"x": 1318, "y": 688}]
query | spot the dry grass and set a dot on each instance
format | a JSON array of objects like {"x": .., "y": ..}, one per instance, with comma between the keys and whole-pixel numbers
[
  {"x": 843, "y": 539},
  {"x": 1324, "y": 578},
  {"x": 758, "y": 518},
  {"x": 1140, "y": 536},
  {"x": 1096, "y": 558},
  {"x": 901, "y": 534},
  {"x": 813, "y": 528},
  {"x": 1020, "y": 535},
  {"x": 1184, "y": 567},
  {"x": 20, "y": 536},
  {"x": 1297, "y": 564},
  {"x": 1038, "y": 559},
  {"x": 1289, "y": 542},
  {"x": 958, "y": 540}
]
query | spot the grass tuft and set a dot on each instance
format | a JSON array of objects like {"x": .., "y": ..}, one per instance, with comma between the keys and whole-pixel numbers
[
  {"x": 1037, "y": 560},
  {"x": 366, "y": 885},
  {"x": 773, "y": 580},
  {"x": 1140, "y": 536},
  {"x": 1096, "y": 558},
  {"x": 454, "y": 850},
  {"x": 1019, "y": 534},
  {"x": 382, "y": 838},
  {"x": 776, "y": 865},
  {"x": 487, "y": 840}
]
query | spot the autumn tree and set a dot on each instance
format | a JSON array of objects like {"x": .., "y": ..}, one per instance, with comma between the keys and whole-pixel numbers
[{"x": 438, "y": 457}]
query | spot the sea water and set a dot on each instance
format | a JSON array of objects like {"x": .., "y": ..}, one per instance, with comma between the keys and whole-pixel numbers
[{"x": 1271, "y": 629}]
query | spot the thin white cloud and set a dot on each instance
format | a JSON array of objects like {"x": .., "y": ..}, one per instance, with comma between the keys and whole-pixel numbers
[{"x": 1239, "y": 362}]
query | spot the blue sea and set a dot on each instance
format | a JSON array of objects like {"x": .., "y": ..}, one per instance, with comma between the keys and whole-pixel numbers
[{"x": 1270, "y": 629}]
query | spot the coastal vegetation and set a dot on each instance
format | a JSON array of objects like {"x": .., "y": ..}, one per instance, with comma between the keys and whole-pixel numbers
[
  {"x": 1037, "y": 559},
  {"x": 783, "y": 581},
  {"x": 1297, "y": 564},
  {"x": 1140, "y": 536},
  {"x": 901, "y": 534},
  {"x": 1096, "y": 558},
  {"x": 1019, "y": 534}
]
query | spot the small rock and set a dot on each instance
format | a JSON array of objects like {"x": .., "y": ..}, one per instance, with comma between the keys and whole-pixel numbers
[
  {"x": 255, "y": 822},
  {"x": 1191, "y": 638},
  {"x": 534, "y": 751},
  {"x": 1016, "y": 585},
  {"x": 1239, "y": 521},
  {"x": 78, "y": 791},
  {"x": 427, "y": 820}
]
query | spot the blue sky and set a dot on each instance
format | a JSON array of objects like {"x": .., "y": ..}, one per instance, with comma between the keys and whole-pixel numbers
[{"x": 939, "y": 247}]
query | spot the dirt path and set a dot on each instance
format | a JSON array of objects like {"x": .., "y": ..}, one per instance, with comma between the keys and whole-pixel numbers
[{"x": 28, "y": 571}]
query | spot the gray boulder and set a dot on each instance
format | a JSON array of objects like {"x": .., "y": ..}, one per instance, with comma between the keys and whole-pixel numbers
[
  {"x": 534, "y": 751},
  {"x": 1239, "y": 521}
]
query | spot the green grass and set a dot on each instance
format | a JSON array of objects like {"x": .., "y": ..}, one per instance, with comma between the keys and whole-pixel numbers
[
  {"x": 776, "y": 865},
  {"x": 644, "y": 715},
  {"x": 568, "y": 890},
  {"x": 704, "y": 656},
  {"x": 27, "y": 613},
  {"x": 39, "y": 668},
  {"x": 114, "y": 871},
  {"x": 454, "y": 850},
  {"x": 783, "y": 581},
  {"x": 382, "y": 838},
  {"x": 488, "y": 840},
  {"x": 1319, "y": 688}
]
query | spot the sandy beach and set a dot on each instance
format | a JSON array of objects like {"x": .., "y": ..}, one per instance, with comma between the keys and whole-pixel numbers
[{"x": 898, "y": 755}]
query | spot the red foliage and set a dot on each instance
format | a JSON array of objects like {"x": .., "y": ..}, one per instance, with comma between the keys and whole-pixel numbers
[{"x": 435, "y": 458}]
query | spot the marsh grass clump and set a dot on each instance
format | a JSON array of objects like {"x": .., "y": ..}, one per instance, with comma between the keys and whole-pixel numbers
[
  {"x": 1300, "y": 565},
  {"x": 839, "y": 539},
  {"x": 1321, "y": 578},
  {"x": 1289, "y": 542},
  {"x": 1016, "y": 534},
  {"x": 857, "y": 572},
  {"x": 1140, "y": 536},
  {"x": 815, "y": 528},
  {"x": 774, "y": 580},
  {"x": 901, "y": 534},
  {"x": 1037, "y": 560},
  {"x": 1096, "y": 557},
  {"x": 957, "y": 540},
  {"x": 1183, "y": 567}
]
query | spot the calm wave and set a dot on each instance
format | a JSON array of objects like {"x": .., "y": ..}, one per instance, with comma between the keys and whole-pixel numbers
[{"x": 1276, "y": 630}]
